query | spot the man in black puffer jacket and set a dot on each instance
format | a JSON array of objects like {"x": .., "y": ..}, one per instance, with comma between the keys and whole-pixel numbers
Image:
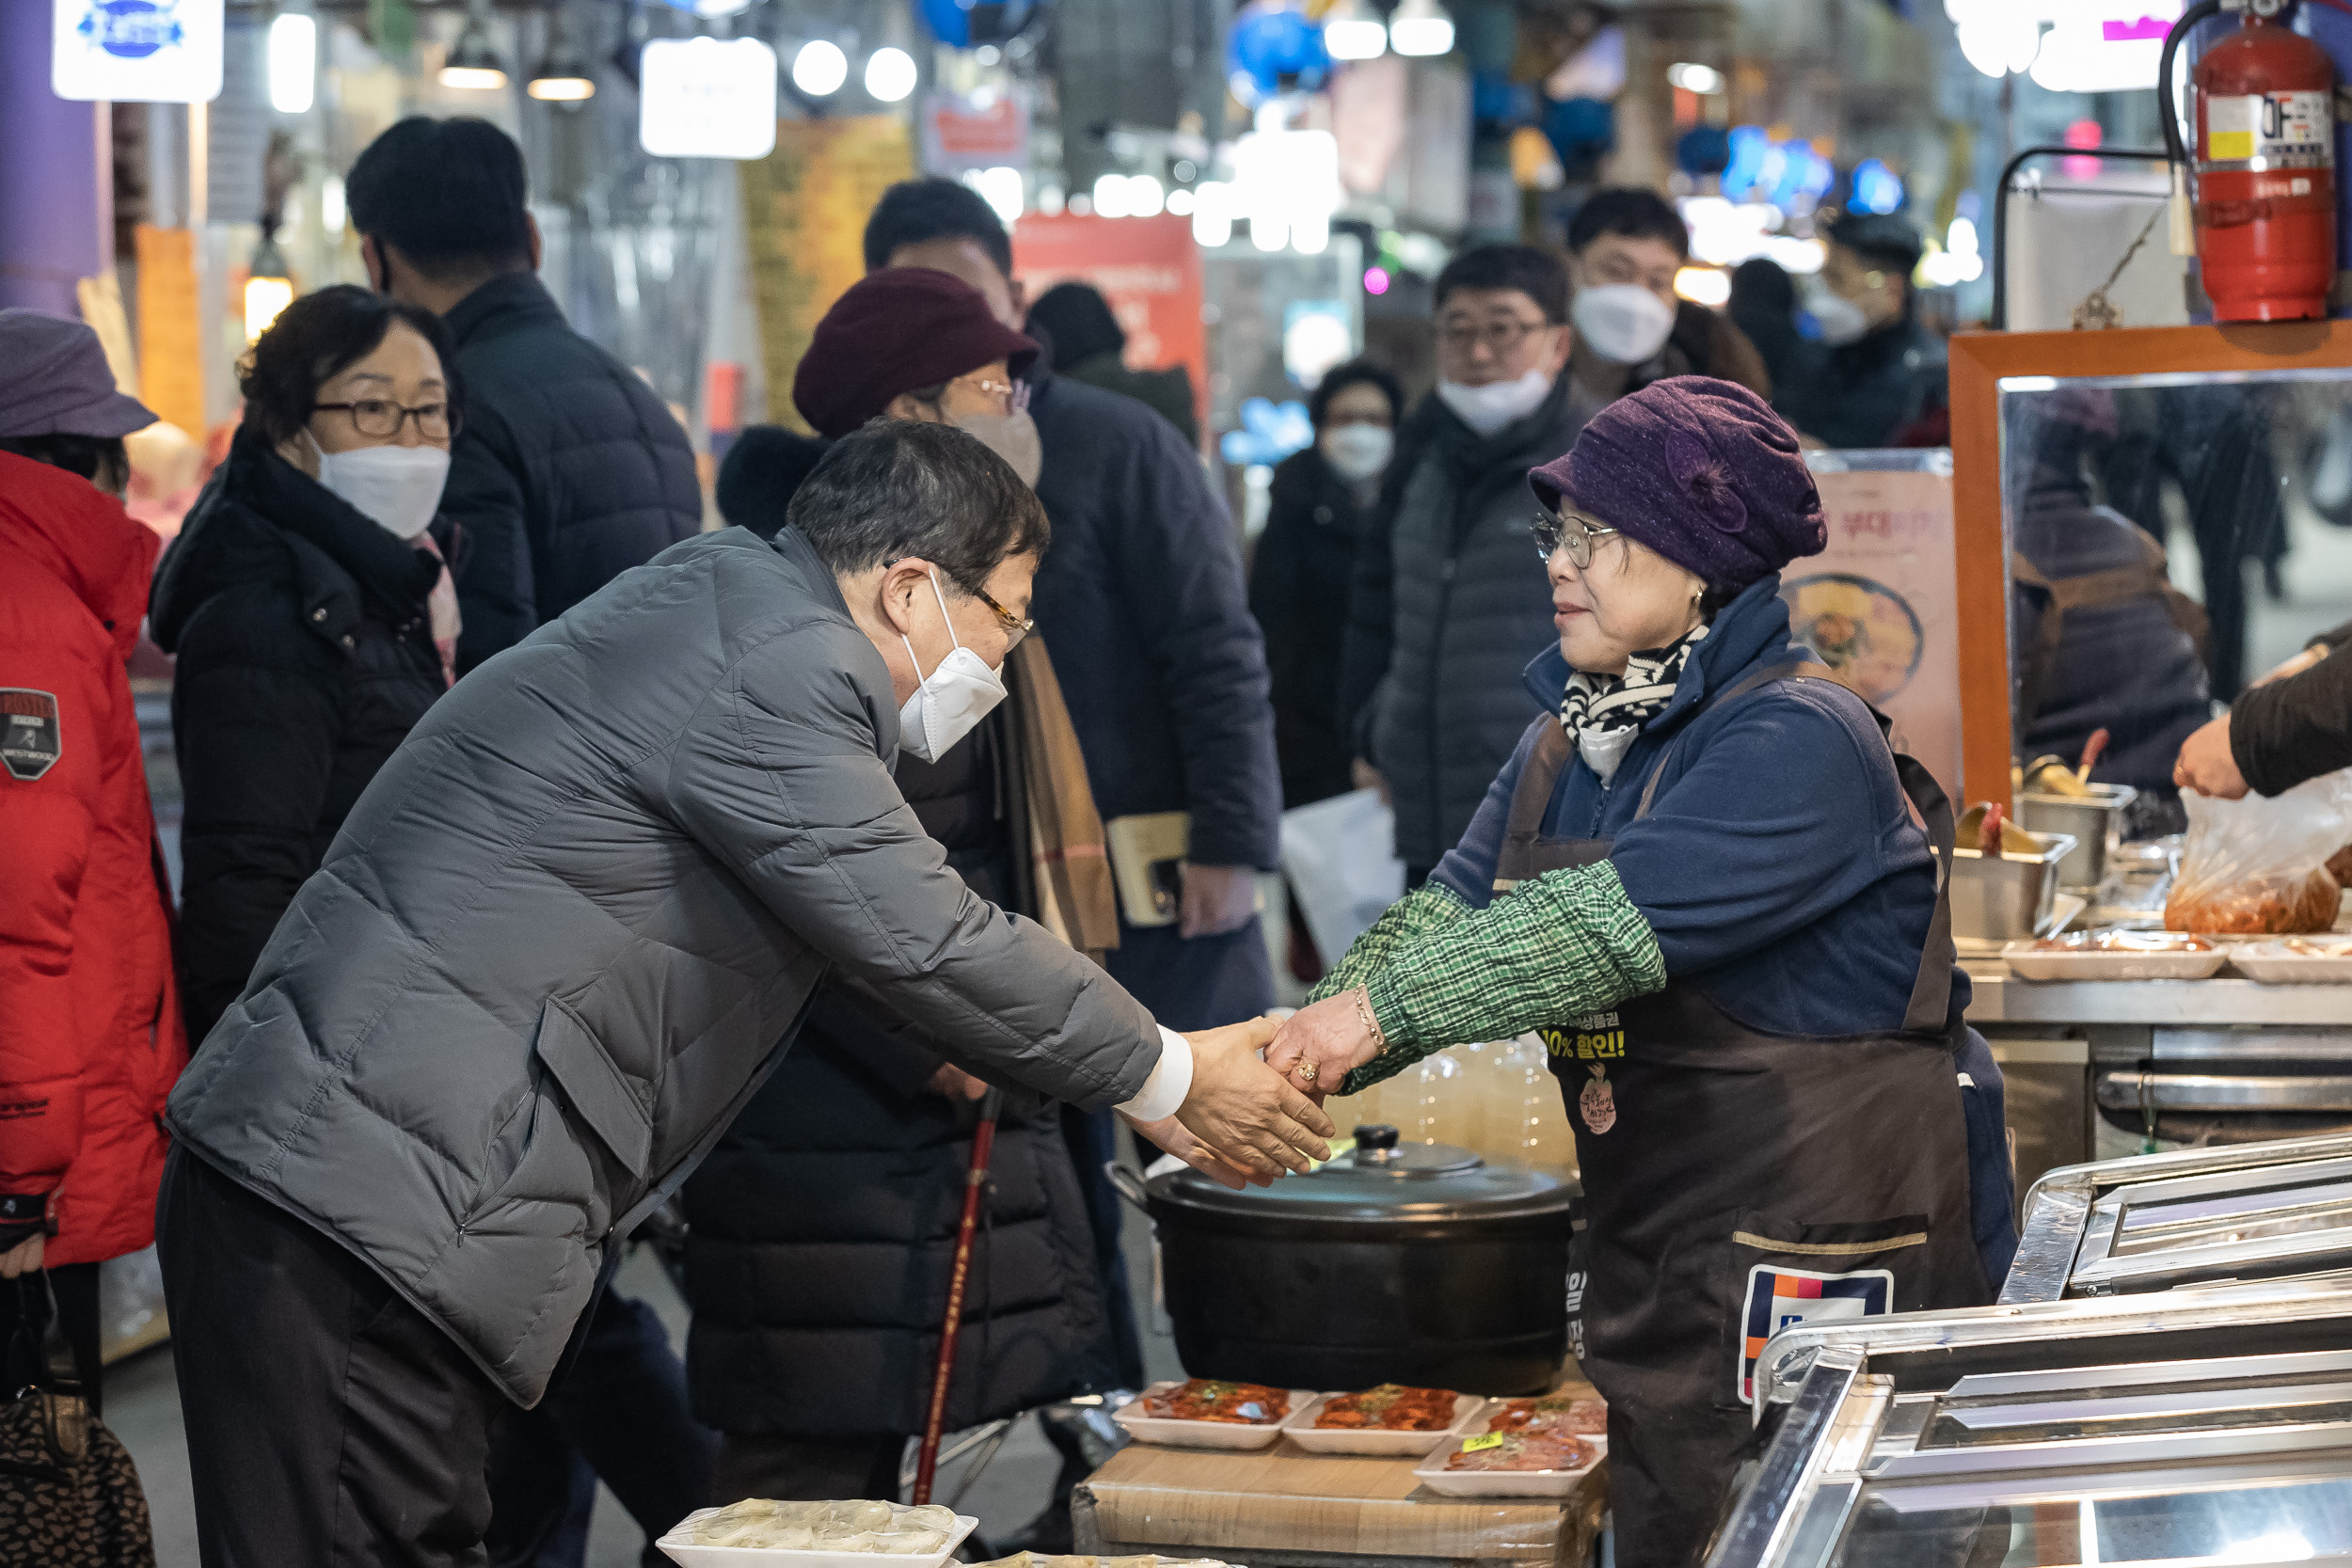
[{"x": 570, "y": 470}]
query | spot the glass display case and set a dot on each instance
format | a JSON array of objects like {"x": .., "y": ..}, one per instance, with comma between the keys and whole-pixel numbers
[{"x": 2201, "y": 1427}]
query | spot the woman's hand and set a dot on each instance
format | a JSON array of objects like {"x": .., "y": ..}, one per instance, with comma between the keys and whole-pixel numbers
[
  {"x": 1177, "y": 1139},
  {"x": 1320, "y": 1045},
  {"x": 22, "y": 1258},
  {"x": 1248, "y": 1114},
  {"x": 2206, "y": 765}
]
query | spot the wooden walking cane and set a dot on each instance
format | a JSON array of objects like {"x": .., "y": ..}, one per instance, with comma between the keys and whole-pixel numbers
[{"x": 974, "y": 1182}]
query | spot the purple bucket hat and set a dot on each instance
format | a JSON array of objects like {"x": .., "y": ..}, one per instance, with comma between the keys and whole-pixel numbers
[
  {"x": 57, "y": 381},
  {"x": 1700, "y": 470}
]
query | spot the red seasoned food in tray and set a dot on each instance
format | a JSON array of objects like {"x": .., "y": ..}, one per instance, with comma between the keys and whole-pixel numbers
[
  {"x": 1535, "y": 1450},
  {"x": 1390, "y": 1408},
  {"x": 1203, "y": 1398},
  {"x": 1566, "y": 1413}
]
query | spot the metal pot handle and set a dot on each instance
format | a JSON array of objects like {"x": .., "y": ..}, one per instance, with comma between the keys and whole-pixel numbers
[{"x": 1130, "y": 1185}]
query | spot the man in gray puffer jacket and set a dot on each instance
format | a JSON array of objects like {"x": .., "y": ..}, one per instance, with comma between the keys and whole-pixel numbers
[{"x": 561, "y": 937}]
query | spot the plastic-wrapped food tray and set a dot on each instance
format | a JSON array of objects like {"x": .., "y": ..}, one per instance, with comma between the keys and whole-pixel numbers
[
  {"x": 1175, "y": 1432},
  {"x": 678, "y": 1543},
  {"x": 2029, "y": 962},
  {"x": 2276, "y": 962},
  {"x": 1301, "y": 1430},
  {"x": 1432, "y": 1474}
]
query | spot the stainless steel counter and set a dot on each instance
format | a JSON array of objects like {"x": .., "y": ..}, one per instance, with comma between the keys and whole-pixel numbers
[{"x": 2000, "y": 999}]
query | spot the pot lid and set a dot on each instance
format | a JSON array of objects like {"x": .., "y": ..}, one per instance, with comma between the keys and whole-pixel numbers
[{"x": 1374, "y": 1177}]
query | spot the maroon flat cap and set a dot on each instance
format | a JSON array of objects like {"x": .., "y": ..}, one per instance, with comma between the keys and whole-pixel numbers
[{"x": 897, "y": 330}]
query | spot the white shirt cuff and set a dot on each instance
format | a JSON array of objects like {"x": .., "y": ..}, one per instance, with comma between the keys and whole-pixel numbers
[{"x": 1170, "y": 1080}]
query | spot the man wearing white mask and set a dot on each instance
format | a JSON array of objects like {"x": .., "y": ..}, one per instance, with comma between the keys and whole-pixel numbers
[
  {"x": 1878, "y": 369},
  {"x": 1443, "y": 610},
  {"x": 1625, "y": 244},
  {"x": 557, "y": 945}
]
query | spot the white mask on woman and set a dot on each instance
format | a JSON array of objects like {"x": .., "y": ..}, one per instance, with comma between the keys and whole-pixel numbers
[
  {"x": 1011, "y": 437},
  {"x": 399, "y": 487},
  {"x": 1487, "y": 409},
  {"x": 1624, "y": 323},
  {"x": 950, "y": 700},
  {"x": 1356, "y": 452}
]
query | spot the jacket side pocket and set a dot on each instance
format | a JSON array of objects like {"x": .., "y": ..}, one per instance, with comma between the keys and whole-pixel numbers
[
  {"x": 608, "y": 1099},
  {"x": 1784, "y": 1271}
]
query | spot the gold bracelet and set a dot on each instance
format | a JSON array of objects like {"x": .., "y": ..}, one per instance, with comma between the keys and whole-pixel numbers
[{"x": 1371, "y": 1023}]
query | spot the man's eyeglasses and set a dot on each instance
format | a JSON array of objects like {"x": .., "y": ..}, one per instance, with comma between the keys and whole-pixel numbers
[
  {"x": 1016, "y": 627},
  {"x": 1567, "y": 531},
  {"x": 382, "y": 418},
  {"x": 1500, "y": 337}
]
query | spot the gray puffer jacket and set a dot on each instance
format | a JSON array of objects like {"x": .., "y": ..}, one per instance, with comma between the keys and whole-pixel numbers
[{"x": 574, "y": 922}]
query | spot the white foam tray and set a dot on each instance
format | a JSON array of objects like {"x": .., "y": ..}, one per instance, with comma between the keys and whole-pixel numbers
[
  {"x": 2028, "y": 964},
  {"x": 1300, "y": 1429},
  {"x": 2271, "y": 963},
  {"x": 680, "y": 1546},
  {"x": 1173, "y": 1433},
  {"x": 1432, "y": 1474}
]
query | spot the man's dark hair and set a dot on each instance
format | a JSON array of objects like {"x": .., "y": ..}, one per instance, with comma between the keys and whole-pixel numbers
[
  {"x": 1631, "y": 211},
  {"x": 936, "y": 208},
  {"x": 1534, "y": 272},
  {"x": 316, "y": 338},
  {"x": 1881, "y": 239},
  {"x": 447, "y": 194},
  {"x": 761, "y": 473},
  {"x": 899, "y": 487},
  {"x": 100, "y": 459},
  {"x": 1079, "y": 322},
  {"x": 1356, "y": 372}
]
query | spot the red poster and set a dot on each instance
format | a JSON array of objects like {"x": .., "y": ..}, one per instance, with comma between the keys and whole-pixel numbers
[{"x": 1148, "y": 268}]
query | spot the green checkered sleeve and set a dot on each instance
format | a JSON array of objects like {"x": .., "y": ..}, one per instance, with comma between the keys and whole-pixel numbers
[
  {"x": 1428, "y": 909},
  {"x": 1560, "y": 945}
]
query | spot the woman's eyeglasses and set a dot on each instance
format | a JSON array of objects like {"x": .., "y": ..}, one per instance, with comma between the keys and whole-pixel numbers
[
  {"x": 382, "y": 418},
  {"x": 1008, "y": 396},
  {"x": 1567, "y": 531}
]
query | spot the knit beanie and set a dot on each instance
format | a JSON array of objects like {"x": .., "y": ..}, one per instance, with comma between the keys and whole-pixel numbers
[{"x": 897, "y": 330}]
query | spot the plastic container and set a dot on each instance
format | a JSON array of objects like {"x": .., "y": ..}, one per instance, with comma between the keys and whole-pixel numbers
[
  {"x": 678, "y": 1545},
  {"x": 1172, "y": 1431},
  {"x": 1300, "y": 1429},
  {"x": 1432, "y": 1474}
]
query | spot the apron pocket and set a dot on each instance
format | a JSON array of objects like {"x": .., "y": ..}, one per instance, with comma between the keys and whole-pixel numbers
[{"x": 1783, "y": 1272}]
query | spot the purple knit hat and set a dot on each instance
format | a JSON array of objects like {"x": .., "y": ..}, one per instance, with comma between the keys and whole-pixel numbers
[{"x": 1700, "y": 470}]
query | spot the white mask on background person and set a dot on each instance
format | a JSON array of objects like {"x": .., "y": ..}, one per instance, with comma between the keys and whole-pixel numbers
[
  {"x": 1487, "y": 409},
  {"x": 1842, "y": 320},
  {"x": 1624, "y": 323},
  {"x": 951, "y": 699},
  {"x": 397, "y": 487},
  {"x": 1356, "y": 452},
  {"x": 1011, "y": 437}
]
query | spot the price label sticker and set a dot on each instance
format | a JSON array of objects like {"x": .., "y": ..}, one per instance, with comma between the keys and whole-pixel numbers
[{"x": 1479, "y": 1444}]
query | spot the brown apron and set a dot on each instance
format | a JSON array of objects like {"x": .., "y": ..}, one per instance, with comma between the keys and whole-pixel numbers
[{"x": 1737, "y": 1181}]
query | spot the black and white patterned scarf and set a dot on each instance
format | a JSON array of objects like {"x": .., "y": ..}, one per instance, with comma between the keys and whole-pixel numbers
[{"x": 1605, "y": 712}]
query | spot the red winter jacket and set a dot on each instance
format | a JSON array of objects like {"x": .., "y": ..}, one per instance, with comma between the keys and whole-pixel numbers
[{"x": 90, "y": 1039}]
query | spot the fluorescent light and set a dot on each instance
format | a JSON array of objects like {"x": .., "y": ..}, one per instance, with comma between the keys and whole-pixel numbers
[
  {"x": 819, "y": 68},
  {"x": 1269, "y": 230},
  {"x": 889, "y": 74},
  {"x": 1311, "y": 233},
  {"x": 1212, "y": 214},
  {"x": 1422, "y": 28},
  {"x": 294, "y": 58},
  {"x": 1180, "y": 203},
  {"x": 1146, "y": 197},
  {"x": 1352, "y": 30},
  {"x": 1710, "y": 286},
  {"x": 1110, "y": 195},
  {"x": 1000, "y": 187},
  {"x": 332, "y": 213},
  {"x": 473, "y": 64},
  {"x": 1705, "y": 80},
  {"x": 563, "y": 76},
  {"x": 265, "y": 297}
]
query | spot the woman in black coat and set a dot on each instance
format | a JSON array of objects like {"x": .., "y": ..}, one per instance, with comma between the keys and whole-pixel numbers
[
  {"x": 1320, "y": 501},
  {"x": 310, "y": 606}
]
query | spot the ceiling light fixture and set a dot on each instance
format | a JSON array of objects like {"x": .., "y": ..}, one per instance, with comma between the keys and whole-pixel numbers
[
  {"x": 473, "y": 64},
  {"x": 889, "y": 75},
  {"x": 819, "y": 68},
  {"x": 1352, "y": 30},
  {"x": 1422, "y": 28},
  {"x": 562, "y": 77}
]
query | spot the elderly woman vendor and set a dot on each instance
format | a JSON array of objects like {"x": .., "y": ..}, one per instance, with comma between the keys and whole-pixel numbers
[{"x": 1710, "y": 887}]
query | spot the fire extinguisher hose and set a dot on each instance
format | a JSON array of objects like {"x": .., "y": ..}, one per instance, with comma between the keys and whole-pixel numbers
[{"x": 2168, "y": 109}]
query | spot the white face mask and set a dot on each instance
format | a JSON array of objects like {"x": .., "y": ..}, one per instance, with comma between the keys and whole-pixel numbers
[
  {"x": 400, "y": 487},
  {"x": 1487, "y": 409},
  {"x": 1356, "y": 452},
  {"x": 1011, "y": 437},
  {"x": 951, "y": 699},
  {"x": 1842, "y": 320},
  {"x": 1624, "y": 323}
]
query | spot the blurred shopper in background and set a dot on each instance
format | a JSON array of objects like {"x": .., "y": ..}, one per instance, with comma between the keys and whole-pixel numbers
[
  {"x": 1083, "y": 340},
  {"x": 570, "y": 470},
  {"x": 817, "y": 1320},
  {"x": 1764, "y": 306},
  {"x": 1879, "y": 370},
  {"x": 760, "y": 472},
  {"x": 1625, "y": 243},
  {"x": 90, "y": 1041},
  {"x": 309, "y": 602},
  {"x": 1142, "y": 606},
  {"x": 1322, "y": 499},
  {"x": 1448, "y": 604}
]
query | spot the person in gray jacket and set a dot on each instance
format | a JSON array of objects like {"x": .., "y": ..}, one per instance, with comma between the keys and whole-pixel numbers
[{"x": 561, "y": 937}]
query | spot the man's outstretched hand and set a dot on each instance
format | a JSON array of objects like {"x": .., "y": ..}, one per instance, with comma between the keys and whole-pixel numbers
[
  {"x": 1243, "y": 1111},
  {"x": 1177, "y": 1139}
]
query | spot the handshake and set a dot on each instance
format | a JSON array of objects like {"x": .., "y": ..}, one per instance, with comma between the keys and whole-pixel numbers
[{"x": 1255, "y": 1108}]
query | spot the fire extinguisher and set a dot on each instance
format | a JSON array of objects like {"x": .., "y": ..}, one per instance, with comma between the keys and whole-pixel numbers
[{"x": 2265, "y": 209}]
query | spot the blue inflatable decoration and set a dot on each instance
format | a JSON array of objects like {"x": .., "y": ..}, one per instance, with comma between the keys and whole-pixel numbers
[
  {"x": 1876, "y": 188},
  {"x": 1269, "y": 432},
  {"x": 1704, "y": 149},
  {"x": 968, "y": 24},
  {"x": 1580, "y": 129},
  {"x": 1271, "y": 48}
]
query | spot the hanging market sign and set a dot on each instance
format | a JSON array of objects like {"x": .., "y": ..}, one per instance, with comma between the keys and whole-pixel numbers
[
  {"x": 699, "y": 98},
  {"x": 136, "y": 51}
]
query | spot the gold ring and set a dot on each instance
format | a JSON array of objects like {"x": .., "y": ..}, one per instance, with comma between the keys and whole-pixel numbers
[{"x": 1306, "y": 1071}]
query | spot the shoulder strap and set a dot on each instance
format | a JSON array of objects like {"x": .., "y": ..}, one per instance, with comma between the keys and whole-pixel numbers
[
  {"x": 1533, "y": 794},
  {"x": 1793, "y": 669}
]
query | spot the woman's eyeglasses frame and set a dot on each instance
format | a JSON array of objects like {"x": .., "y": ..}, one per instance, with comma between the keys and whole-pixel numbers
[
  {"x": 448, "y": 418},
  {"x": 1553, "y": 532}
]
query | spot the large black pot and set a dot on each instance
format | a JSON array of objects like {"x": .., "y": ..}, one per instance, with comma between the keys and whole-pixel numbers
[{"x": 1419, "y": 1264}]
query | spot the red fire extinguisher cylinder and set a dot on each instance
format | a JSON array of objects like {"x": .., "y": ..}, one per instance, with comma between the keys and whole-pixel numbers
[{"x": 2266, "y": 173}]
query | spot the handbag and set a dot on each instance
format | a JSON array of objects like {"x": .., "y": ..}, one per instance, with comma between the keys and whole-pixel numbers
[{"x": 70, "y": 1496}]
